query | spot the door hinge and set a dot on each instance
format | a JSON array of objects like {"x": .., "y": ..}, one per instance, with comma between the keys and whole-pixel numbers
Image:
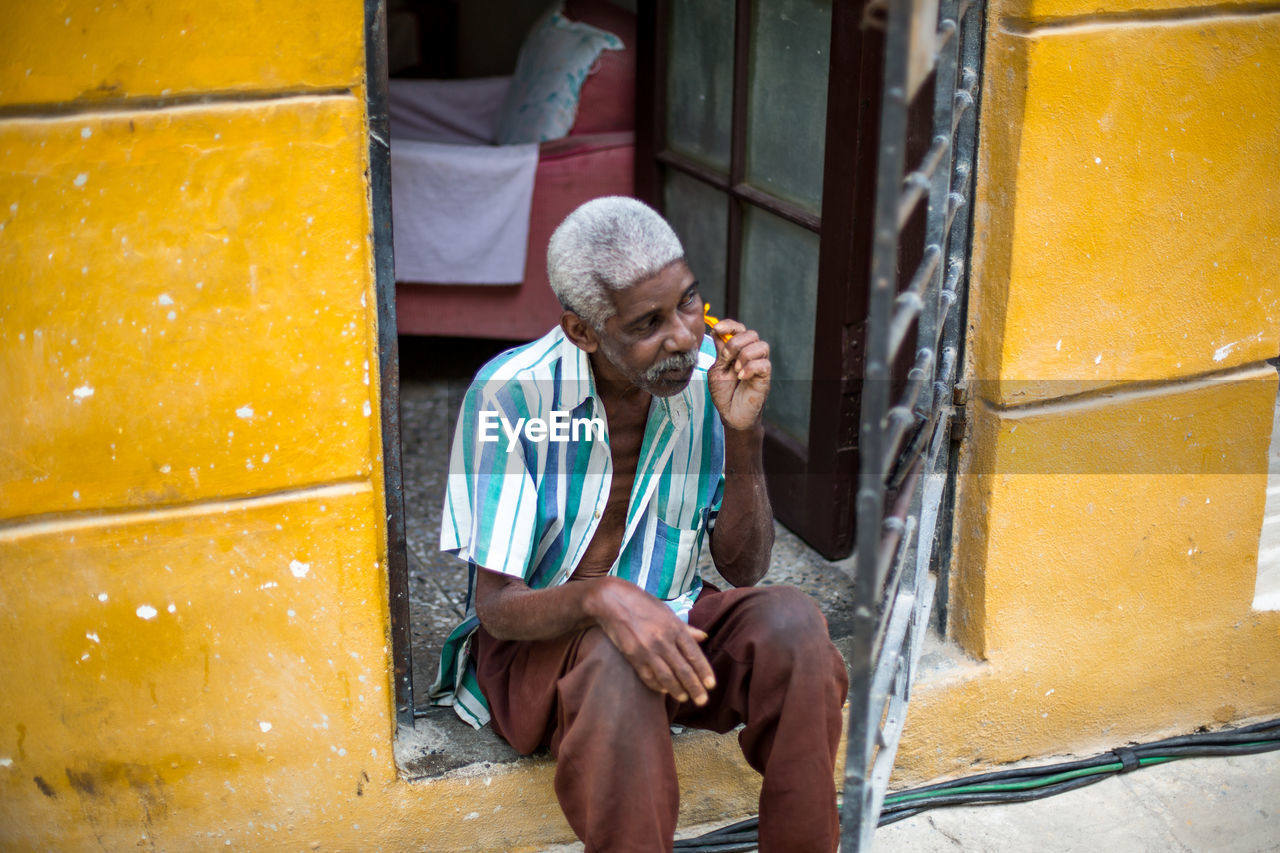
[{"x": 959, "y": 409}]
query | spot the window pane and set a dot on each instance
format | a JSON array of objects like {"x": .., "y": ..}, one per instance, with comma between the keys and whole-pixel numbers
[
  {"x": 778, "y": 297},
  {"x": 787, "y": 98},
  {"x": 700, "y": 80},
  {"x": 700, "y": 216}
]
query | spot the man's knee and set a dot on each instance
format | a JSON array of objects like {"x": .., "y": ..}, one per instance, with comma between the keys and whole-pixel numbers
[{"x": 790, "y": 618}]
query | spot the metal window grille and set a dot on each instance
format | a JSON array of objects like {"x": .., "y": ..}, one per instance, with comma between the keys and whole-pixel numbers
[{"x": 904, "y": 434}]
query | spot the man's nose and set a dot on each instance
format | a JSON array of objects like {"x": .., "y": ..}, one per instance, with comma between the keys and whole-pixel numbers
[{"x": 682, "y": 338}]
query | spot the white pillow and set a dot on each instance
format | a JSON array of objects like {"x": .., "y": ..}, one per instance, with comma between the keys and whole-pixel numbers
[{"x": 542, "y": 102}]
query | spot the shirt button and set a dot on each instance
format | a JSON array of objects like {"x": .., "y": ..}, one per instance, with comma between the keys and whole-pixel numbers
[{"x": 597, "y": 514}]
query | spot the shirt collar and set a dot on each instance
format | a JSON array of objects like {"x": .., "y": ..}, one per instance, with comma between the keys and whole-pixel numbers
[
  {"x": 577, "y": 383},
  {"x": 576, "y": 380}
]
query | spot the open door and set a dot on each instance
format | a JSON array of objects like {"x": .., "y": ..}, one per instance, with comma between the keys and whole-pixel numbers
[{"x": 756, "y": 139}]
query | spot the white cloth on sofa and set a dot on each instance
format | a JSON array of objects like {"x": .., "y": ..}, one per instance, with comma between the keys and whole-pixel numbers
[
  {"x": 462, "y": 111},
  {"x": 459, "y": 204}
]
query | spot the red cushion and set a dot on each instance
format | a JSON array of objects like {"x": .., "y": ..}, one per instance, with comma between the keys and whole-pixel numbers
[{"x": 608, "y": 99}]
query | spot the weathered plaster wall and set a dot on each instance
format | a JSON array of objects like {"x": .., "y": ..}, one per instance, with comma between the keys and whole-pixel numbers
[
  {"x": 86, "y": 51},
  {"x": 194, "y": 617},
  {"x": 1124, "y": 300},
  {"x": 194, "y": 612},
  {"x": 193, "y": 599}
]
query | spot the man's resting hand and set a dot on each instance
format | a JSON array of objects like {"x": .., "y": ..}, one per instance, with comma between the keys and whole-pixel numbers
[{"x": 663, "y": 649}]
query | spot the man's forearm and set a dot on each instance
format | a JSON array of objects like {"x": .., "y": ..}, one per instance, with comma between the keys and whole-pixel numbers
[
  {"x": 510, "y": 610},
  {"x": 743, "y": 537}
]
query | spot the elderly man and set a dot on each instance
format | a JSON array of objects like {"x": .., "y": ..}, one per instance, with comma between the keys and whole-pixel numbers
[{"x": 627, "y": 436}]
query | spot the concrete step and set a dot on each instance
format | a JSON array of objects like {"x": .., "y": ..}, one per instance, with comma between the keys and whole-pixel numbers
[{"x": 506, "y": 801}]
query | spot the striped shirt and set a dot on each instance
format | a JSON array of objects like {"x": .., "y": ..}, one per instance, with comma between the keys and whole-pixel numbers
[{"x": 529, "y": 507}]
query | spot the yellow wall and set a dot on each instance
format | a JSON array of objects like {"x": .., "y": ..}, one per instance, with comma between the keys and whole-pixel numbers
[
  {"x": 192, "y": 557},
  {"x": 193, "y": 595},
  {"x": 194, "y": 617},
  {"x": 81, "y": 52},
  {"x": 1124, "y": 299}
]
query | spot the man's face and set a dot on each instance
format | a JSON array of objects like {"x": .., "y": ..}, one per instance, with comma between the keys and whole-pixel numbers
[{"x": 653, "y": 339}]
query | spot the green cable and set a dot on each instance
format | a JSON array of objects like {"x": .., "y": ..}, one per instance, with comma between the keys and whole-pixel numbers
[
  {"x": 747, "y": 829},
  {"x": 997, "y": 787},
  {"x": 993, "y": 787}
]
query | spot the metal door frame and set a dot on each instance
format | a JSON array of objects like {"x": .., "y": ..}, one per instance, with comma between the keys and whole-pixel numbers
[
  {"x": 905, "y": 447},
  {"x": 379, "y": 176}
]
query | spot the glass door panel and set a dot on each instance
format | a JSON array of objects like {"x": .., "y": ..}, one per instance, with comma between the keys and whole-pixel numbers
[
  {"x": 755, "y": 159},
  {"x": 699, "y": 214},
  {"x": 700, "y": 80},
  {"x": 787, "y": 98},
  {"x": 777, "y": 297}
]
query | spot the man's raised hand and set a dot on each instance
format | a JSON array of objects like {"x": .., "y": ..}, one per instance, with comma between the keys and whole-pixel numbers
[{"x": 740, "y": 378}]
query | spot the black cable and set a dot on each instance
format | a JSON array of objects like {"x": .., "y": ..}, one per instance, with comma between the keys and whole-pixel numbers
[
  {"x": 998, "y": 796},
  {"x": 1018, "y": 775},
  {"x": 735, "y": 838},
  {"x": 894, "y": 817},
  {"x": 740, "y": 826},
  {"x": 1105, "y": 766},
  {"x": 1246, "y": 740},
  {"x": 1245, "y": 734},
  {"x": 1222, "y": 751}
]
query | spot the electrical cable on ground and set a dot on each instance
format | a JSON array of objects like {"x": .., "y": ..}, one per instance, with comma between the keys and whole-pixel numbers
[{"x": 1023, "y": 783}]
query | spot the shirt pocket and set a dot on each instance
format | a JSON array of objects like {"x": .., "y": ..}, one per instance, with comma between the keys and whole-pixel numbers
[{"x": 674, "y": 558}]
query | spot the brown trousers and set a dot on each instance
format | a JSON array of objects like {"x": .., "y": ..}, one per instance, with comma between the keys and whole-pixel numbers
[{"x": 777, "y": 673}]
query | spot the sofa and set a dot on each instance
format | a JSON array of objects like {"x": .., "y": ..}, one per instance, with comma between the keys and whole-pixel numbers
[{"x": 596, "y": 158}]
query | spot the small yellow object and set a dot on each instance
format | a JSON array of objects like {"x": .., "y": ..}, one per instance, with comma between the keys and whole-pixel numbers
[{"x": 711, "y": 321}]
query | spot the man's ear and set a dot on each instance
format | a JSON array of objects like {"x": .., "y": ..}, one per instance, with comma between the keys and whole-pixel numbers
[{"x": 579, "y": 331}]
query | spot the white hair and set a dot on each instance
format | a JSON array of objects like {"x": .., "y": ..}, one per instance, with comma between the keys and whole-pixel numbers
[{"x": 607, "y": 244}]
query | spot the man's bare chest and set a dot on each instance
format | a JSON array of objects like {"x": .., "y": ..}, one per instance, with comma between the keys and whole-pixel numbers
[{"x": 624, "y": 446}]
